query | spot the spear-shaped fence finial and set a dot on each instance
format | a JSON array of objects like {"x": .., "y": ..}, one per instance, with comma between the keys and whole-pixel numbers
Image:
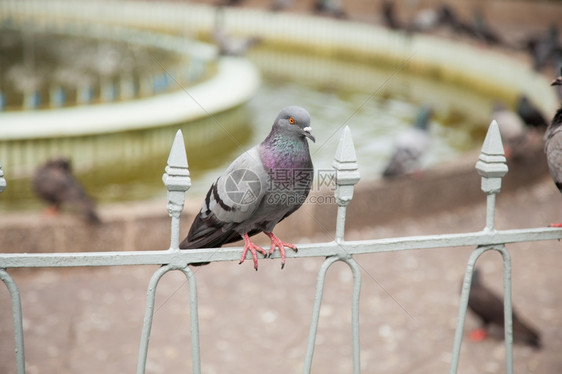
[
  {"x": 177, "y": 181},
  {"x": 347, "y": 175},
  {"x": 492, "y": 167}
]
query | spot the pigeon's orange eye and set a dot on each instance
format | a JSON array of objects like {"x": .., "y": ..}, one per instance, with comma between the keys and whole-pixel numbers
[{"x": 291, "y": 120}]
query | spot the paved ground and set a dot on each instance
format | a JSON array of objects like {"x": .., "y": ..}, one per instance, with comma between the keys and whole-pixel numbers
[{"x": 89, "y": 320}]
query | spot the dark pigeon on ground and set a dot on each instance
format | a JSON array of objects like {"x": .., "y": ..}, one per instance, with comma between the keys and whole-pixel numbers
[
  {"x": 259, "y": 189},
  {"x": 389, "y": 15},
  {"x": 553, "y": 146},
  {"x": 543, "y": 48},
  {"x": 55, "y": 184},
  {"x": 450, "y": 18},
  {"x": 530, "y": 114},
  {"x": 484, "y": 31},
  {"x": 410, "y": 146},
  {"x": 488, "y": 307},
  {"x": 333, "y": 8},
  {"x": 230, "y": 2}
]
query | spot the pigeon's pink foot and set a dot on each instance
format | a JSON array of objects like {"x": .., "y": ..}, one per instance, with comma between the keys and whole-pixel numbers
[
  {"x": 555, "y": 225},
  {"x": 276, "y": 242},
  {"x": 51, "y": 211},
  {"x": 477, "y": 335},
  {"x": 248, "y": 245}
]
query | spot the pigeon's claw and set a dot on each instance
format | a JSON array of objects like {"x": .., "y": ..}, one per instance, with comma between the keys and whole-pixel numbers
[
  {"x": 248, "y": 245},
  {"x": 276, "y": 242},
  {"x": 478, "y": 335}
]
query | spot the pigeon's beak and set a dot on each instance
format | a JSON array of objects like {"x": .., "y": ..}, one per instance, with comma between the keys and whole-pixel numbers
[
  {"x": 308, "y": 134},
  {"x": 557, "y": 82}
]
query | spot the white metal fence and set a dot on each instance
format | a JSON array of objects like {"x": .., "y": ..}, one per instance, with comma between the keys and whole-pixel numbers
[{"x": 491, "y": 166}]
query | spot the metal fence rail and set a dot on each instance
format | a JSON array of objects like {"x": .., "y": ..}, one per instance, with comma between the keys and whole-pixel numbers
[{"x": 491, "y": 166}]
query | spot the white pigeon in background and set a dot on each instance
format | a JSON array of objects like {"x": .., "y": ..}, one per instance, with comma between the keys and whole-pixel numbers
[
  {"x": 512, "y": 129},
  {"x": 410, "y": 146}
]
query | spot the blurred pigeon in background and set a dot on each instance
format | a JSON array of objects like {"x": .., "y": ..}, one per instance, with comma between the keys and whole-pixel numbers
[
  {"x": 54, "y": 183},
  {"x": 230, "y": 45},
  {"x": 543, "y": 47},
  {"x": 389, "y": 16},
  {"x": 484, "y": 31},
  {"x": 230, "y": 2},
  {"x": 553, "y": 146},
  {"x": 512, "y": 129},
  {"x": 488, "y": 307},
  {"x": 332, "y": 8},
  {"x": 259, "y": 189},
  {"x": 530, "y": 114},
  {"x": 278, "y": 5},
  {"x": 450, "y": 18},
  {"x": 425, "y": 20},
  {"x": 410, "y": 146}
]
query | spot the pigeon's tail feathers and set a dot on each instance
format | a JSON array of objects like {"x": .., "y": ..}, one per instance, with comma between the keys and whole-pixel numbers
[
  {"x": 93, "y": 217},
  {"x": 526, "y": 334},
  {"x": 208, "y": 232}
]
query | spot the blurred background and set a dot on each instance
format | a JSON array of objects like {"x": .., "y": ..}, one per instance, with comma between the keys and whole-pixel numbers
[{"x": 104, "y": 85}]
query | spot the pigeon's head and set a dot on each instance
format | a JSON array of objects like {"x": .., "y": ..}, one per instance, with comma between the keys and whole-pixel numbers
[{"x": 295, "y": 119}]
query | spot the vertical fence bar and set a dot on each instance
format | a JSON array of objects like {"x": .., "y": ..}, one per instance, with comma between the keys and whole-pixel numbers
[
  {"x": 355, "y": 313},
  {"x": 463, "y": 306},
  {"x": 194, "y": 320},
  {"x": 347, "y": 175},
  {"x": 149, "y": 316},
  {"x": 17, "y": 317},
  {"x": 507, "y": 310},
  {"x": 177, "y": 182},
  {"x": 491, "y": 166},
  {"x": 320, "y": 280}
]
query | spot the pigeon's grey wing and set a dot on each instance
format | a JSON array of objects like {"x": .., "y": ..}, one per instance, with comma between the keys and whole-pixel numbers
[
  {"x": 553, "y": 149},
  {"x": 230, "y": 201}
]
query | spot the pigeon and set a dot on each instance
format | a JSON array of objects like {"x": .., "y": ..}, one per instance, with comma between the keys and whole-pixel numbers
[
  {"x": 488, "y": 307},
  {"x": 54, "y": 183},
  {"x": 484, "y": 31},
  {"x": 425, "y": 20},
  {"x": 530, "y": 114},
  {"x": 230, "y": 2},
  {"x": 543, "y": 48},
  {"x": 259, "y": 189},
  {"x": 449, "y": 17},
  {"x": 512, "y": 129},
  {"x": 332, "y": 8},
  {"x": 278, "y": 5},
  {"x": 389, "y": 15},
  {"x": 553, "y": 146},
  {"x": 410, "y": 146},
  {"x": 230, "y": 45}
]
